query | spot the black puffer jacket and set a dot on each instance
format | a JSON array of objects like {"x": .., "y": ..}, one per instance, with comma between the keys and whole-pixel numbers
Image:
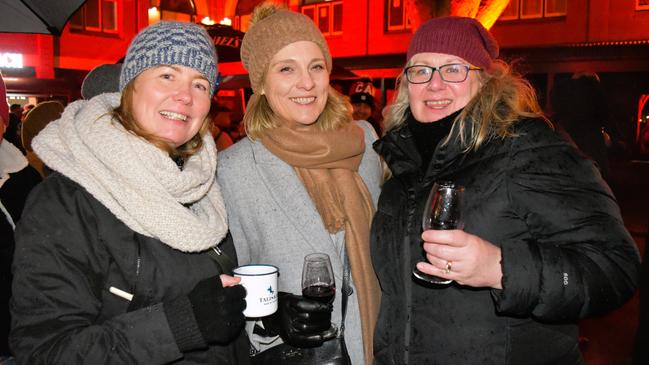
[
  {"x": 69, "y": 251},
  {"x": 565, "y": 252},
  {"x": 13, "y": 194}
]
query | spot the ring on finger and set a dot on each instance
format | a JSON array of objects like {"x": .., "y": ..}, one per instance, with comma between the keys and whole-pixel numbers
[{"x": 449, "y": 267}]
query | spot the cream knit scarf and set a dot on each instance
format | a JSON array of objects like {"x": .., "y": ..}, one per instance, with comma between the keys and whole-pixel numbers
[{"x": 135, "y": 180}]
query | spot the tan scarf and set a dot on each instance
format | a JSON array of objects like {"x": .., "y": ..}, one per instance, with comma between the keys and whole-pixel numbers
[{"x": 327, "y": 162}]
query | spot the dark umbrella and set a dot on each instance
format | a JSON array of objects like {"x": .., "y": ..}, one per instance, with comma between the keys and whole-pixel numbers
[
  {"x": 227, "y": 41},
  {"x": 36, "y": 16}
]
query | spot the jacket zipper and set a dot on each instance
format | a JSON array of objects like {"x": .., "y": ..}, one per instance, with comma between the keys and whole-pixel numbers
[
  {"x": 138, "y": 266},
  {"x": 407, "y": 272}
]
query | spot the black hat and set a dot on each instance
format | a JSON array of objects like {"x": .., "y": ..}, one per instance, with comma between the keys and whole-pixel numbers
[{"x": 101, "y": 79}]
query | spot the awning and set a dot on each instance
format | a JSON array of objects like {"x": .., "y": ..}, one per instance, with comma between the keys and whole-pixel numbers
[
  {"x": 227, "y": 41},
  {"x": 245, "y": 7},
  {"x": 179, "y": 6}
]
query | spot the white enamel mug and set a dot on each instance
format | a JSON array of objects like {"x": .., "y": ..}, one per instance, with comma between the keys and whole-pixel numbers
[{"x": 260, "y": 281}]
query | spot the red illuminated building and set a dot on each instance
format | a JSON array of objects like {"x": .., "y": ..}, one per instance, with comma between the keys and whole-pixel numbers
[{"x": 552, "y": 39}]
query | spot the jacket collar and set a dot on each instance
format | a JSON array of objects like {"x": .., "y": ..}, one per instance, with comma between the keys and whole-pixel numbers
[{"x": 398, "y": 150}]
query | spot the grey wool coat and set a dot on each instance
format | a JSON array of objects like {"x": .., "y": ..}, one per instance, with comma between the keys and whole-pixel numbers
[{"x": 273, "y": 221}]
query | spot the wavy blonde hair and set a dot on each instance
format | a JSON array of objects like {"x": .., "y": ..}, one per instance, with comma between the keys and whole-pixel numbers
[
  {"x": 260, "y": 117},
  {"x": 124, "y": 115},
  {"x": 504, "y": 98}
]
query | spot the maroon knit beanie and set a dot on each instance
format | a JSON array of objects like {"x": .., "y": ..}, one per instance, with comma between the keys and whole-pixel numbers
[
  {"x": 4, "y": 108},
  {"x": 458, "y": 36}
]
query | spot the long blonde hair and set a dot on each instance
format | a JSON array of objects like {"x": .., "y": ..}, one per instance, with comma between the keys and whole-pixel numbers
[
  {"x": 260, "y": 116},
  {"x": 124, "y": 115},
  {"x": 504, "y": 98}
]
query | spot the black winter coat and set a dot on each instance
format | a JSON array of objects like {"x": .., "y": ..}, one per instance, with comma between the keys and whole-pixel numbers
[
  {"x": 70, "y": 250},
  {"x": 13, "y": 195},
  {"x": 565, "y": 252}
]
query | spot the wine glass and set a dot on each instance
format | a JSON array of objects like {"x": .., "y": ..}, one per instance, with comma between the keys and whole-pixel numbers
[
  {"x": 318, "y": 278},
  {"x": 443, "y": 211}
]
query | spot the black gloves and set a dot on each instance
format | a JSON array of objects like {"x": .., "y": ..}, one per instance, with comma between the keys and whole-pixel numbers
[
  {"x": 218, "y": 314},
  {"x": 218, "y": 310},
  {"x": 301, "y": 322}
]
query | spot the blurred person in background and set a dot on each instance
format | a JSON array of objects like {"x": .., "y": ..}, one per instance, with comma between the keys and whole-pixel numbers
[
  {"x": 12, "y": 132},
  {"x": 221, "y": 126},
  {"x": 641, "y": 350},
  {"x": 17, "y": 179},
  {"x": 118, "y": 255},
  {"x": 305, "y": 180},
  {"x": 643, "y": 140},
  {"x": 40, "y": 116},
  {"x": 579, "y": 109},
  {"x": 543, "y": 243},
  {"x": 364, "y": 106},
  {"x": 26, "y": 109}
]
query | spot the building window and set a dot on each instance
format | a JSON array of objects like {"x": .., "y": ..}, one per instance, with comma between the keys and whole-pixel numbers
[
  {"x": 97, "y": 16},
  {"x": 534, "y": 9},
  {"x": 396, "y": 15},
  {"x": 641, "y": 4},
  {"x": 328, "y": 16},
  {"x": 176, "y": 10},
  {"x": 555, "y": 8}
]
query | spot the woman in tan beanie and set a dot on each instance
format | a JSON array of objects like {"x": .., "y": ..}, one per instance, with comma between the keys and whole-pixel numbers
[
  {"x": 543, "y": 244},
  {"x": 306, "y": 180}
]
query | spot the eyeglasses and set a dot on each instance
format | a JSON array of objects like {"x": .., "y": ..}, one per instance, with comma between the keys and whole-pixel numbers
[{"x": 454, "y": 72}]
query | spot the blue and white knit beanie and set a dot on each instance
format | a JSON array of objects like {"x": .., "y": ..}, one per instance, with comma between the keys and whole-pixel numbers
[{"x": 171, "y": 43}]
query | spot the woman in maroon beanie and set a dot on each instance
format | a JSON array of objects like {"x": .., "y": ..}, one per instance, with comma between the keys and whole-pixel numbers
[{"x": 543, "y": 243}]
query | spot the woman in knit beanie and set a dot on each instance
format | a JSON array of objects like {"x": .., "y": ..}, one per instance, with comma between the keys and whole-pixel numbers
[
  {"x": 306, "y": 180},
  {"x": 543, "y": 244},
  {"x": 117, "y": 254}
]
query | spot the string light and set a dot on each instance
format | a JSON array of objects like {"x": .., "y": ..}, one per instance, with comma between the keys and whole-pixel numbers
[
  {"x": 207, "y": 21},
  {"x": 154, "y": 15}
]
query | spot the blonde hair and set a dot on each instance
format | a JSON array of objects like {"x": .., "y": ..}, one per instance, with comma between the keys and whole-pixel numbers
[
  {"x": 260, "y": 116},
  {"x": 124, "y": 115},
  {"x": 504, "y": 98},
  {"x": 272, "y": 28}
]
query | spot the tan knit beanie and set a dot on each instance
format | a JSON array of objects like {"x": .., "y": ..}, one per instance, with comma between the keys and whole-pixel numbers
[{"x": 273, "y": 29}]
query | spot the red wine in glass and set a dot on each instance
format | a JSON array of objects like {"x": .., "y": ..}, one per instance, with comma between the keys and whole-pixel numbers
[
  {"x": 321, "y": 292},
  {"x": 318, "y": 278},
  {"x": 443, "y": 211}
]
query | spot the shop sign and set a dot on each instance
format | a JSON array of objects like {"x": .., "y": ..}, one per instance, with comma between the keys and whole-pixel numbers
[{"x": 11, "y": 60}]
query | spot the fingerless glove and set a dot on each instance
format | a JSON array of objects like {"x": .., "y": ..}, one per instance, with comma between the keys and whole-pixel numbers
[{"x": 210, "y": 313}]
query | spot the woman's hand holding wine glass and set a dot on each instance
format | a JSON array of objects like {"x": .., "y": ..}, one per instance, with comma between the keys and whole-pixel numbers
[
  {"x": 474, "y": 261},
  {"x": 451, "y": 253},
  {"x": 443, "y": 211},
  {"x": 305, "y": 320}
]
